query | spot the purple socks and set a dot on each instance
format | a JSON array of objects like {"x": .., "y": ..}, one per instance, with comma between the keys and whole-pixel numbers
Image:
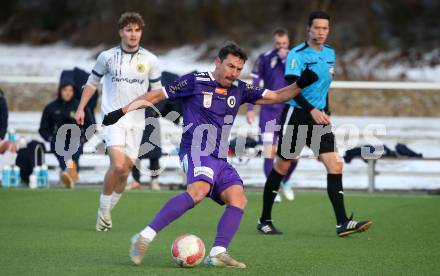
[
  {"x": 228, "y": 226},
  {"x": 173, "y": 208},
  {"x": 178, "y": 205}
]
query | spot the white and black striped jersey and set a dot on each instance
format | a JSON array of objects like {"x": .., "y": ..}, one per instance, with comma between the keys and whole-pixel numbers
[{"x": 127, "y": 75}]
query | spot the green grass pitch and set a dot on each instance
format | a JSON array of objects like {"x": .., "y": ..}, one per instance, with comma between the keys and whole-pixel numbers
[{"x": 51, "y": 232}]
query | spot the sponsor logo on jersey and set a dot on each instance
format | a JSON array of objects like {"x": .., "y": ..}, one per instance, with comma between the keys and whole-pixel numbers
[
  {"x": 252, "y": 87},
  {"x": 207, "y": 99},
  {"x": 180, "y": 85},
  {"x": 231, "y": 101},
  {"x": 118, "y": 79},
  {"x": 205, "y": 171},
  {"x": 221, "y": 91},
  {"x": 203, "y": 79},
  {"x": 140, "y": 68}
]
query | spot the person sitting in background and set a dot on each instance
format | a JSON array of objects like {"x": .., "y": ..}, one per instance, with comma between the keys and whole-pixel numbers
[
  {"x": 57, "y": 113},
  {"x": 5, "y": 145}
]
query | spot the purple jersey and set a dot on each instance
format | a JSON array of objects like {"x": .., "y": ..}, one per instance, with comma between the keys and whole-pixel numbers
[
  {"x": 269, "y": 69},
  {"x": 209, "y": 110}
]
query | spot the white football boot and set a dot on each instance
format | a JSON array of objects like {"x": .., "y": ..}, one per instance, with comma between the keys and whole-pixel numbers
[{"x": 103, "y": 220}]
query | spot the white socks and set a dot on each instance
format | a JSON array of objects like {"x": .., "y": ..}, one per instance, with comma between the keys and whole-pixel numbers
[
  {"x": 105, "y": 201},
  {"x": 148, "y": 233},
  {"x": 217, "y": 250},
  {"x": 115, "y": 198},
  {"x": 109, "y": 201}
]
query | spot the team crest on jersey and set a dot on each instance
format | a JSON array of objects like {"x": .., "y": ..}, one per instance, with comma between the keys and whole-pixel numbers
[
  {"x": 231, "y": 101},
  {"x": 207, "y": 99},
  {"x": 273, "y": 62},
  {"x": 140, "y": 68}
]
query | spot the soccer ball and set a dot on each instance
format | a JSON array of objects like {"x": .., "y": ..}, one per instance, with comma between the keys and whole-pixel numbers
[{"x": 188, "y": 250}]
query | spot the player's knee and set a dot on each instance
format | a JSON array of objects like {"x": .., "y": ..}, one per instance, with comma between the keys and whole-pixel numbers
[
  {"x": 120, "y": 170},
  {"x": 198, "y": 191},
  {"x": 197, "y": 196},
  {"x": 117, "y": 169},
  {"x": 282, "y": 166},
  {"x": 237, "y": 199},
  {"x": 241, "y": 202},
  {"x": 335, "y": 167}
]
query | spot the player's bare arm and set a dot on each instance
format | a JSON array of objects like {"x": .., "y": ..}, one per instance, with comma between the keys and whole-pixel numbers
[
  {"x": 148, "y": 99},
  {"x": 286, "y": 93},
  {"x": 85, "y": 97}
]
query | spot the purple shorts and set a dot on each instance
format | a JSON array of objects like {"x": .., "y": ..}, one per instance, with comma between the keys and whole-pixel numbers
[
  {"x": 217, "y": 172},
  {"x": 269, "y": 113}
]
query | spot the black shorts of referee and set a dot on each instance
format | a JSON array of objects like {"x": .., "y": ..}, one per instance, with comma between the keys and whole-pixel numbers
[{"x": 299, "y": 129}]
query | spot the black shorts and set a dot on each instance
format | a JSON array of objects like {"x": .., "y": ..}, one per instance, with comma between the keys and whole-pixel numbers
[{"x": 299, "y": 129}]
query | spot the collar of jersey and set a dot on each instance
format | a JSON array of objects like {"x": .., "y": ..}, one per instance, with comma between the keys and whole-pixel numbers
[
  {"x": 313, "y": 49},
  {"x": 130, "y": 53}
]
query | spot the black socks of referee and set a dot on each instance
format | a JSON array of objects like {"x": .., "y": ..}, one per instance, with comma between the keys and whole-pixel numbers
[
  {"x": 271, "y": 188},
  {"x": 336, "y": 195}
]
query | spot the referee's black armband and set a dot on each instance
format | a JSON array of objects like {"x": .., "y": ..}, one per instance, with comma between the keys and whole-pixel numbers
[
  {"x": 299, "y": 99},
  {"x": 291, "y": 79}
]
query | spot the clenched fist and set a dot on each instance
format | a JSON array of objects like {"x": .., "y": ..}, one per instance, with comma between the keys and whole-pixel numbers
[{"x": 112, "y": 117}]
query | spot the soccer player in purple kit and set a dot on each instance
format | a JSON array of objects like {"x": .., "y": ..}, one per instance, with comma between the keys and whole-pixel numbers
[
  {"x": 210, "y": 103},
  {"x": 269, "y": 70}
]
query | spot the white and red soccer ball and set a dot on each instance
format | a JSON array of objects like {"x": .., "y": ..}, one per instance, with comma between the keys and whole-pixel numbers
[{"x": 188, "y": 250}]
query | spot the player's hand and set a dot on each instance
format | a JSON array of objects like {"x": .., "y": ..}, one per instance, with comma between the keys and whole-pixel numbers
[
  {"x": 307, "y": 78},
  {"x": 79, "y": 117},
  {"x": 250, "y": 117},
  {"x": 112, "y": 117},
  {"x": 282, "y": 53},
  {"x": 320, "y": 117}
]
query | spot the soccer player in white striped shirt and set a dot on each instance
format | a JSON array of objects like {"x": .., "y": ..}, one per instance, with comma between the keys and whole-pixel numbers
[{"x": 128, "y": 70}]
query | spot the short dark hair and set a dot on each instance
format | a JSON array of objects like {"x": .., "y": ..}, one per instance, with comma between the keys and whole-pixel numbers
[
  {"x": 317, "y": 15},
  {"x": 233, "y": 49},
  {"x": 280, "y": 32},
  {"x": 130, "y": 18}
]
